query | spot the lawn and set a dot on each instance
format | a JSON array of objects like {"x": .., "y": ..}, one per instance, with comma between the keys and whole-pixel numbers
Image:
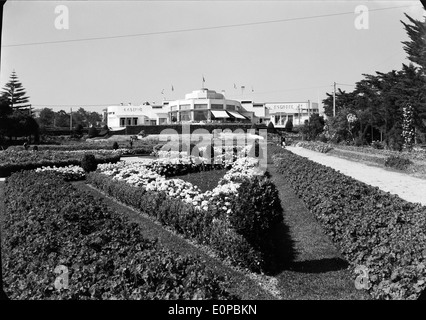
[{"x": 205, "y": 180}]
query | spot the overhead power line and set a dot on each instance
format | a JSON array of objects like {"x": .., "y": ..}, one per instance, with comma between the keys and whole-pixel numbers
[
  {"x": 343, "y": 84},
  {"x": 75, "y": 105},
  {"x": 201, "y": 28}
]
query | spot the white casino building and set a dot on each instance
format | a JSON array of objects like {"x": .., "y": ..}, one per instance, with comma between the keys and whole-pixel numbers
[{"x": 207, "y": 106}]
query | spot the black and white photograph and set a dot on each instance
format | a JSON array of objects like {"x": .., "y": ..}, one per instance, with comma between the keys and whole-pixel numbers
[{"x": 212, "y": 158}]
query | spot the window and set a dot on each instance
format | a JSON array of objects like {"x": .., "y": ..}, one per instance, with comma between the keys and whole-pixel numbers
[
  {"x": 200, "y": 115},
  {"x": 185, "y": 107},
  {"x": 153, "y": 122},
  {"x": 230, "y": 107},
  {"x": 135, "y": 121},
  {"x": 129, "y": 121},
  {"x": 185, "y": 115},
  {"x": 122, "y": 122},
  {"x": 174, "y": 108},
  {"x": 173, "y": 116},
  {"x": 200, "y": 106},
  {"x": 217, "y": 106}
]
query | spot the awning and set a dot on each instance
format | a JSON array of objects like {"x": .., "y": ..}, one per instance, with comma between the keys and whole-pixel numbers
[
  {"x": 117, "y": 129},
  {"x": 237, "y": 115},
  {"x": 220, "y": 114}
]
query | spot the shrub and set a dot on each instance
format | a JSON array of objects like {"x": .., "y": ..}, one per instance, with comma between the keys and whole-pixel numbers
[
  {"x": 322, "y": 138},
  {"x": 88, "y": 162},
  {"x": 358, "y": 142},
  {"x": 78, "y": 129},
  {"x": 271, "y": 128},
  {"x": 115, "y": 145},
  {"x": 289, "y": 126},
  {"x": 35, "y": 148},
  {"x": 377, "y": 145},
  {"x": 254, "y": 212},
  {"x": 397, "y": 162},
  {"x": 93, "y": 132}
]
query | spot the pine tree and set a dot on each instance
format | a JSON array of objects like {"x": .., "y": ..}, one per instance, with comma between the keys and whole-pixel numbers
[
  {"x": 415, "y": 47},
  {"x": 15, "y": 93}
]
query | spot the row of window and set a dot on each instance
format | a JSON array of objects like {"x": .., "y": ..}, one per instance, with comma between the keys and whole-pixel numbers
[
  {"x": 204, "y": 106},
  {"x": 128, "y": 122}
]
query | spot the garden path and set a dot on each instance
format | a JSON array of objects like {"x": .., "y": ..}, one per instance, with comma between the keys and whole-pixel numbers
[
  {"x": 407, "y": 187},
  {"x": 317, "y": 270}
]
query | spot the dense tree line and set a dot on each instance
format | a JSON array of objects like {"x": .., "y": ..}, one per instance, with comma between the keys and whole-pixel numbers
[
  {"x": 376, "y": 105},
  {"x": 61, "y": 119}
]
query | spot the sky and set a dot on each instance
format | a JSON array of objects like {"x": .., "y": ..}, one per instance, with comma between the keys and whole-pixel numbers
[{"x": 100, "y": 53}]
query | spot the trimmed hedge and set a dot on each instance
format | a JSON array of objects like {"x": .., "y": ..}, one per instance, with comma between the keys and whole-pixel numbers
[
  {"x": 372, "y": 228},
  {"x": 255, "y": 212},
  {"x": 36, "y": 160},
  {"x": 158, "y": 129},
  {"x": 88, "y": 163},
  {"x": 230, "y": 241},
  {"x": 49, "y": 223}
]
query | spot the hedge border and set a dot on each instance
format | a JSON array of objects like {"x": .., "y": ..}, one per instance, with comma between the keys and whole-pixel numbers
[{"x": 372, "y": 228}]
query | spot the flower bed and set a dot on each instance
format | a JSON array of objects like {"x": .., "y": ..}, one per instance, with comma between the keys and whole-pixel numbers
[
  {"x": 70, "y": 173},
  {"x": 12, "y": 161},
  {"x": 374, "y": 229},
  {"x": 48, "y": 223},
  {"x": 209, "y": 217}
]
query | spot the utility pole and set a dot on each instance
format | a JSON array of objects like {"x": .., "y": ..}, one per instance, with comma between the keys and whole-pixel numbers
[
  {"x": 309, "y": 110},
  {"x": 71, "y": 120},
  {"x": 334, "y": 99}
]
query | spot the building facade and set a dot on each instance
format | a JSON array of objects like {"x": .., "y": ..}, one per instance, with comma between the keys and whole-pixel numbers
[
  {"x": 129, "y": 115},
  {"x": 296, "y": 112},
  {"x": 205, "y": 106},
  {"x": 208, "y": 106}
]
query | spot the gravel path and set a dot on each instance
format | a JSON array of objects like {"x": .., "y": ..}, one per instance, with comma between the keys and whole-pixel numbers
[{"x": 407, "y": 187}]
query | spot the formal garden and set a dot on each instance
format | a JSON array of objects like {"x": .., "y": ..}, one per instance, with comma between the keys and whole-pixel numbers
[{"x": 67, "y": 206}]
